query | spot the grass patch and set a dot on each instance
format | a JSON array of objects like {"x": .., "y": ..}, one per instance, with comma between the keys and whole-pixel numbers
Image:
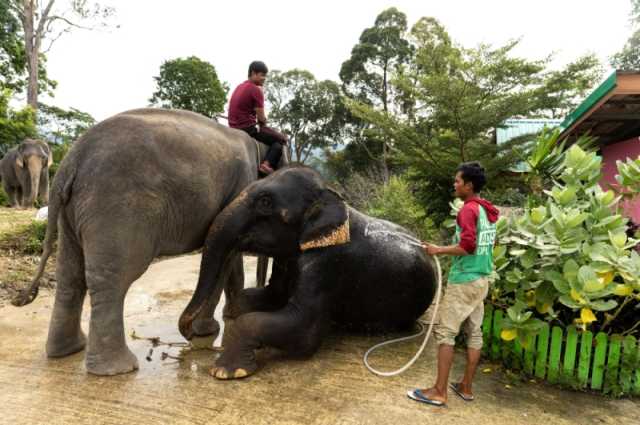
[
  {"x": 4, "y": 198},
  {"x": 12, "y": 218},
  {"x": 24, "y": 239},
  {"x": 21, "y": 239}
]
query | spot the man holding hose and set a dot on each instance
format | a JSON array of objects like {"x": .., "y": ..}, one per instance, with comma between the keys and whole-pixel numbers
[{"x": 468, "y": 284}]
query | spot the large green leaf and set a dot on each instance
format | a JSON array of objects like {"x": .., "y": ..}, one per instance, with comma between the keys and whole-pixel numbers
[
  {"x": 603, "y": 305},
  {"x": 568, "y": 301},
  {"x": 570, "y": 270}
]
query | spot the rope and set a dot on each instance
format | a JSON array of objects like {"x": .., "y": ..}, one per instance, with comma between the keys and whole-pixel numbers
[{"x": 406, "y": 338}]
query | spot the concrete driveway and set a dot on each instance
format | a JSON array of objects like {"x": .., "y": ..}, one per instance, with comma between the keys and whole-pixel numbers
[{"x": 333, "y": 387}]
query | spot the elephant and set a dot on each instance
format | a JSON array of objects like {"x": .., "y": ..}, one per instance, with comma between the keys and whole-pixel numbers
[
  {"x": 24, "y": 172},
  {"x": 141, "y": 184},
  {"x": 332, "y": 265}
]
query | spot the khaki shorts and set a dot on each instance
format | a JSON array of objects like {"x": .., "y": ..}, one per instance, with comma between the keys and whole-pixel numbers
[{"x": 462, "y": 304}]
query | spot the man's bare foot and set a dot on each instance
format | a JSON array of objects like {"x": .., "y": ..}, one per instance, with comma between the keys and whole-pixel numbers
[{"x": 265, "y": 168}]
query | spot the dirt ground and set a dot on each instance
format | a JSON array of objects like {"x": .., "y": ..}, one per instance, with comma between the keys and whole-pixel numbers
[
  {"x": 16, "y": 267},
  {"x": 332, "y": 387}
]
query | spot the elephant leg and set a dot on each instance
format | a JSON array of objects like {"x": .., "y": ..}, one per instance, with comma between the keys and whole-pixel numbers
[
  {"x": 44, "y": 187},
  {"x": 270, "y": 298},
  {"x": 12, "y": 193},
  {"x": 65, "y": 335},
  {"x": 19, "y": 198},
  {"x": 108, "y": 353},
  {"x": 110, "y": 271},
  {"x": 297, "y": 328}
]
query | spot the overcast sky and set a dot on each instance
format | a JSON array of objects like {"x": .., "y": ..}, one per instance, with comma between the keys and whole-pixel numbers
[{"x": 104, "y": 73}]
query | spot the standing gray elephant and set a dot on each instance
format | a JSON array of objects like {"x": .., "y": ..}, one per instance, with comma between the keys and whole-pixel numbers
[
  {"x": 25, "y": 173},
  {"x": 141, "y": 184}
]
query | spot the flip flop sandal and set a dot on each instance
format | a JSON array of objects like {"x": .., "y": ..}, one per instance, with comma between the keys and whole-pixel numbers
[
  {"x": 455, "y": 386},
  {"x": 418, "y": 395}
]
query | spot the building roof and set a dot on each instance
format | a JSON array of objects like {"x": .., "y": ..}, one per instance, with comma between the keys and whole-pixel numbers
[
  {"x": 611, "y": 113},
  {"x": 513, "y": 128}
]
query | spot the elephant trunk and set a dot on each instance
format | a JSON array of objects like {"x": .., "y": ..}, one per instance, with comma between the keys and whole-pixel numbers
[
  {"x": 34, "y": 166},
  {"x": 222, "y": 238}
]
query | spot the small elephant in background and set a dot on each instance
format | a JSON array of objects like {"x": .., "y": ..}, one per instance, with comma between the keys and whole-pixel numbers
[{"x": 24, "y": 171}]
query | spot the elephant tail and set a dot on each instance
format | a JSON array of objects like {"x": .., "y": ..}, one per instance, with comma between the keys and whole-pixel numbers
[{"x": 60, "y": 194}]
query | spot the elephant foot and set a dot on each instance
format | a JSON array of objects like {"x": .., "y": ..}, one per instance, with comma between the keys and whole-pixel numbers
[
  {"x": 64, "y": 346},
  {"x": 110, "y": 363},
  {"x": 234, "y": 368},
  {"x": 206, "y": 327}
]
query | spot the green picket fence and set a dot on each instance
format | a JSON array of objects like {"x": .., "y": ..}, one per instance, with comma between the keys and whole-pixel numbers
[{"x": 609, "y": 364}]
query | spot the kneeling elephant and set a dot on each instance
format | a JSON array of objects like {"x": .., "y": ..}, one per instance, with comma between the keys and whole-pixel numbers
[{"x": 331, "y": 264}]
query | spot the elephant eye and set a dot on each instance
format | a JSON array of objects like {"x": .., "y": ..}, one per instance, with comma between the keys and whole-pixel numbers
[{"x": 264, "y": 204}]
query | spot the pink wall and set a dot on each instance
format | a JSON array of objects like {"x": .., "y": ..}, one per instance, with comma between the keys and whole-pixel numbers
[{"x": 621, "y": 151}]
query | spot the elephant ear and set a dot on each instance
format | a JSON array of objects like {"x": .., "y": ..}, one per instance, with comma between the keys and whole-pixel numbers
[
  {"x": 19, "y": 160},
  {"x": 46, "y": 150},
  {"x": 326, "y": 222}
]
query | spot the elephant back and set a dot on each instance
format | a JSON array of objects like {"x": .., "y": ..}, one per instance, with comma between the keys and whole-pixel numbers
[{"x": 385, "y": 281}]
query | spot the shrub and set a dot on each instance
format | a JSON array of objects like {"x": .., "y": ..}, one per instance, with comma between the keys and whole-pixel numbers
[
  {"x": 570, "y": 258},
  {"x": 4, "y": 198},
  {"x": 25, "y": 239},
  {"x": 359, "y": 189},
  {"x": 396, "y": 203}
]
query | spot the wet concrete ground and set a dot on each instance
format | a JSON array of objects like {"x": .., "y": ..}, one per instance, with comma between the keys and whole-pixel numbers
[{"x": 332, "y": 387}]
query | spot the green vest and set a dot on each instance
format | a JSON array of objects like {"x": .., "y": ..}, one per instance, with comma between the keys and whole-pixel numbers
[{"x": 467, "y": 268}]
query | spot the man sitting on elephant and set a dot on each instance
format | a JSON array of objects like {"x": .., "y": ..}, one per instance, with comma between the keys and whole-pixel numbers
[{"x": 246, "y": 111}]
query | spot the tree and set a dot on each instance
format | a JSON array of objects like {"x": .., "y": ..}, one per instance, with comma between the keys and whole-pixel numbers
[
  {"x": 306, "y": 109},
  {"x": 628, "y": 59},
  {"x": 190, "y": 84},
  {"x": 564, "y": 89},
  {"x": 381, "y": 50},
  {"x": 61, "y": 128},
  {"x": 12, "y": 54},
  {"x": 454, "y": 98},
  {"x": 15, "y": 126},
  {"x": 43, "y": 21}
]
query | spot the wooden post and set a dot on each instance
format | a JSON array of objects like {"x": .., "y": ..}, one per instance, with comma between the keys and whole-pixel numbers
[
  {"x": 543, "y": 349},
  {"x": 554, "y": 354},
  {"x": 586, "y": 345}
]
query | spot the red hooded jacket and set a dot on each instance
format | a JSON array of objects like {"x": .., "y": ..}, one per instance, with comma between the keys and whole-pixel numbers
[{"x": 467, "y": 219}]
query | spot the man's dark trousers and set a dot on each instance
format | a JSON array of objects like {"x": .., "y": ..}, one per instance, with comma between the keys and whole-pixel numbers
[{"x": 271, "y": 138}]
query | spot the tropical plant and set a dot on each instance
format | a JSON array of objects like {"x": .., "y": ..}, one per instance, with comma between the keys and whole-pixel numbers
[
  {"x": 544, "y": 157},
  {"x": 568, "y": 260}
]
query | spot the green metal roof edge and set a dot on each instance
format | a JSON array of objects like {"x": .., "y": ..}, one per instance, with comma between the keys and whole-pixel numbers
[{"x": 609, "y": 84}]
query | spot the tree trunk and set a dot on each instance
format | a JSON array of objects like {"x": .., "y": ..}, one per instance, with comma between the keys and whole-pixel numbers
[
  {"x": 32, "y": 52},
  {"x": 33, "y": 33},
  {"x": 385, "y": 150}
]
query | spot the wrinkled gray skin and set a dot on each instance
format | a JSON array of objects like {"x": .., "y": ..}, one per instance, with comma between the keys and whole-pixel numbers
[
  {"x": 141, "y": 184},
  {"x": 24, "y": 172}
]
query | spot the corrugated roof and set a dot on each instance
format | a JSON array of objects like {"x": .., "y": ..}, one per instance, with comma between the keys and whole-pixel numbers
[{"x": 520, "y": 127}]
